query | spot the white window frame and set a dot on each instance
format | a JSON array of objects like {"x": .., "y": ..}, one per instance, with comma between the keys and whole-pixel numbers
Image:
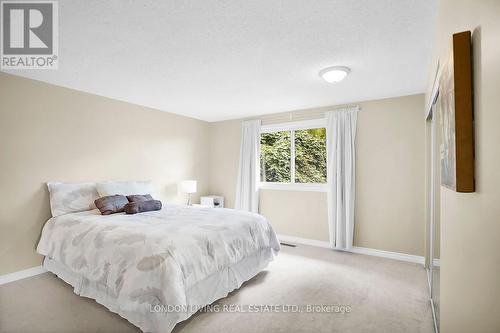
[{"x": 293, "y": 126}]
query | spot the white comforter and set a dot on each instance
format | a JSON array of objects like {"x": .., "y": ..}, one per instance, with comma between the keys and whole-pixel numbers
[{"x": 154, "y": 258}]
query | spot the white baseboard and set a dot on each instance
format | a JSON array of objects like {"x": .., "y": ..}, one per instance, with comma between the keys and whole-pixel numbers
[
  {"x": 19, "y": 275},
  {"x": 391, "y": 255},
  {"x": 359, "y": 250}
]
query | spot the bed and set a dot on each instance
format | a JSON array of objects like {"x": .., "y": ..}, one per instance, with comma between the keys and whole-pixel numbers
[{"x": 156, "y": 269}]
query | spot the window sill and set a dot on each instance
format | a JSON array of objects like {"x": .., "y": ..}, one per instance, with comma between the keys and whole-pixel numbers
[{"x": 293, "y": 187}]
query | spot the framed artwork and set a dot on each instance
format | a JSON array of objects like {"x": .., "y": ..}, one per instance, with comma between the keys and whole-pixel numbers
[{"x": 456, "y": 116}]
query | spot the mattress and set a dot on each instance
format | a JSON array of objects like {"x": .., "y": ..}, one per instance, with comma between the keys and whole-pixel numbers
[{"x": 158, "y": 268}]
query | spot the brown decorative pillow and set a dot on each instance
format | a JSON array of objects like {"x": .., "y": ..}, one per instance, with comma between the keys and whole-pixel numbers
[
  {"x": 111, "y": 204},
  {"x": 139, "y": 197},
  {"x": 142, "y": 206}
]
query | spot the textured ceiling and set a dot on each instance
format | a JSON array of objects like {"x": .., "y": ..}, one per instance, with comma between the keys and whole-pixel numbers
[{"x": 216, "y": 60}]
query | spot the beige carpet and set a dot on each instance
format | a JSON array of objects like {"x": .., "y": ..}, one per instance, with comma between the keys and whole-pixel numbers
[{"x": 384, "y": 296}]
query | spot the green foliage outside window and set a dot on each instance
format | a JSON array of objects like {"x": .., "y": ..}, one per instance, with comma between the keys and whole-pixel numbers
[
  {"x": 275, "y": 157},
  {"x": 310, "y": 156}
]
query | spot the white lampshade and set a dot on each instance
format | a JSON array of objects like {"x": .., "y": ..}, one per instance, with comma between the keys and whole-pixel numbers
[{"x": 188, "y": 186}]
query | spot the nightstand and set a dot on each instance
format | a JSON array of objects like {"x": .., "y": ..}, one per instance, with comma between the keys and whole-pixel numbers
[{"x": 214, "y": 201}]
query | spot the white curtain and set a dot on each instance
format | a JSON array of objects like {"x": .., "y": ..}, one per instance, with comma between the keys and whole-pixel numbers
[
  {"x": 247, "y": 193},
  {"x": 341, "y": 135}
]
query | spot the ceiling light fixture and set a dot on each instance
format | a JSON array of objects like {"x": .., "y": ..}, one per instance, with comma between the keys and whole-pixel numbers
[{"x": 334, "y": 74}]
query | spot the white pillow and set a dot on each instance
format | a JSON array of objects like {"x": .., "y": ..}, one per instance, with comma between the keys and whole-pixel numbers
[
  {"x": 71, "y": 197},
  {"x": 124, "y": 188}
]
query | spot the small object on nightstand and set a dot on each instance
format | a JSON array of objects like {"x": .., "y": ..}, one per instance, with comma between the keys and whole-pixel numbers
[{"x": 214, "y": 201}]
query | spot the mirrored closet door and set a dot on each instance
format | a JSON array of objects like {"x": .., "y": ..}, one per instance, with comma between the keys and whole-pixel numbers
[{"x": 434, "y": 237}]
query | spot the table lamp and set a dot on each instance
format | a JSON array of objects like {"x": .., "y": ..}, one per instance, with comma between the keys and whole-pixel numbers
[{"x": 188, "y": 186}]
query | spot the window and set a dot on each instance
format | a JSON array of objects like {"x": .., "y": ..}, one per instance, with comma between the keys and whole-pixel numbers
[
  {"x": 275, "y": 157},
  {"x": 293, "y": 156},
  {"x": 310, "y": 155}
]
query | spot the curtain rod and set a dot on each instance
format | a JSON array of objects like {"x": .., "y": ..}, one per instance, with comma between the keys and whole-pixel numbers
[{"x": 301, "y": 114}]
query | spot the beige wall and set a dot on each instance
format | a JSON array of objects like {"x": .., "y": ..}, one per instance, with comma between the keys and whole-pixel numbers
[
  {"x": 390, "y": 179},
  {"x": 390, "y": 160},
  {"x": 48, "y": 133},
  {"x": 470, "y": 223},
  {"x": 296, "y": 213},
  {"x": 224, "y": 158}
]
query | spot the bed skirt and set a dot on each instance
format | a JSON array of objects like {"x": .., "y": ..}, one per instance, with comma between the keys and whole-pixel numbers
[{"x": 204, "y": 292}]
